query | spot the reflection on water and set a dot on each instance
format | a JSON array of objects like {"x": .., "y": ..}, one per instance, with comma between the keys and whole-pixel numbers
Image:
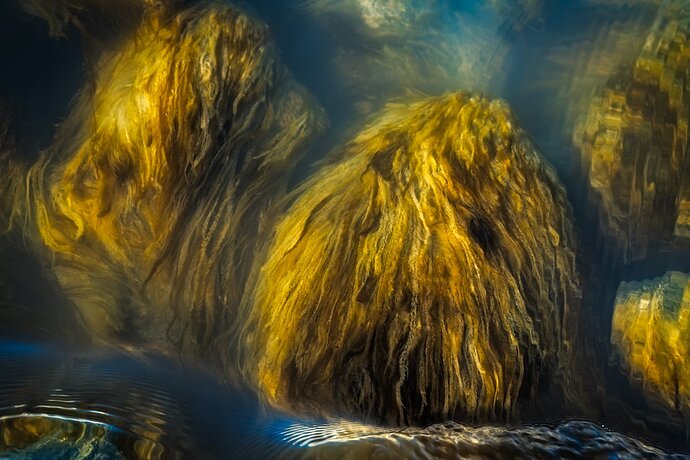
[{"x": 431, "y": 267}]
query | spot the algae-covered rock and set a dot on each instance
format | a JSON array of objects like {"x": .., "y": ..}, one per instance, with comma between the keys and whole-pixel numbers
[
  {"x": 634, "y": 142},
  {"x": 429, "y": 272},
  {"x": 574, "y": 439},
  {"x": 149, "y": 201},
  {"x": 650, "y": 334}
]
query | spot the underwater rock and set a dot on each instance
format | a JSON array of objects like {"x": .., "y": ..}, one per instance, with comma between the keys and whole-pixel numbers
[
  {"x": 428, "y": 273},
  {"x": 574, "y": 439},
  {"x": 150, "y": 199},
  {"x": 52, "y": 438},
  {"x": 650, "y": 334},
  {"x": 634, "y": 141}
]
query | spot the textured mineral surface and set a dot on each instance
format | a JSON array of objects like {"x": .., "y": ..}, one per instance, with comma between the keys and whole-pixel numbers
[{"x": 573, "y": 439}]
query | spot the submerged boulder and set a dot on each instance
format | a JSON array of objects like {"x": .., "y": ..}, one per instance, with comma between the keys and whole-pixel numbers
[
  {"x": 149, "y": 201},
  {"x": 634, "y": 141},
  {"x": 427, "y": 273}
]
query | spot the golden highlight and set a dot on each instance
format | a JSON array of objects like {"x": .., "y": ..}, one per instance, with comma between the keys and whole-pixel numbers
[
  {"x": 429, "y": 273},
  {"x": 649, "y": 334},
  {"x": 157, "y": 184}
]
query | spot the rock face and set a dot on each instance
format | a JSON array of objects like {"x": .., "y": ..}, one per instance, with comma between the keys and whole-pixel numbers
[
  {"x": 650, "y": 335},
  {"x": 451, "y": 440},
  {"x": 634, "y": 142},
  {"x": 428, "y": 273},
  {"x": 151, "y": 197}
]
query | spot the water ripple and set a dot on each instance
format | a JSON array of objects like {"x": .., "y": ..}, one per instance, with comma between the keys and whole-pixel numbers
[{"x": 151, "y": 408}]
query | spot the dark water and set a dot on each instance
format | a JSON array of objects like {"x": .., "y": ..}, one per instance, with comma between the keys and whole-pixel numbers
[
  {"x": 60, "y": 403},
  {"x": 62, "y": 397}
]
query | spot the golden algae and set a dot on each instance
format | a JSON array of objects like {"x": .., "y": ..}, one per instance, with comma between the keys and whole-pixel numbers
[
  {"x": 35, "y": 312},
  {"x": 650, "y": 334},
  {"x": 149, "y": 200},
  {"x": 428, "y": 273},
  {"x": 634, "y": 141}
]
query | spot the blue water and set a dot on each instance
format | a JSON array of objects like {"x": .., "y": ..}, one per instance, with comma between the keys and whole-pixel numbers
[{"x": 119, "y": 402}]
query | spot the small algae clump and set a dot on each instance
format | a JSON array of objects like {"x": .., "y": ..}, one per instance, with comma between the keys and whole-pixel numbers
[
  {"x": 650, "y": 334},
  {"x": 427, "y": 273}
]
